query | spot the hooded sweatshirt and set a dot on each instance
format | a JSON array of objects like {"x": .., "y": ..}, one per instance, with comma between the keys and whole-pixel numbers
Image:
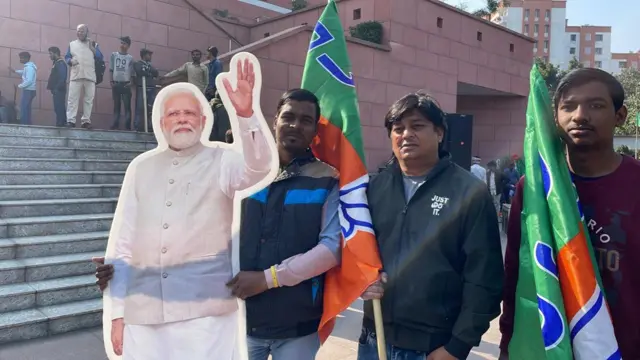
[{"x": 28, "y": 76}]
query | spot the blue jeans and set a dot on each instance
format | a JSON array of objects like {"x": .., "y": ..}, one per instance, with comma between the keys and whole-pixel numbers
[
  {"x": 302, "y": 348},
  {"x": 25, "y": 106},
  {"x": 368, "y": 349}
]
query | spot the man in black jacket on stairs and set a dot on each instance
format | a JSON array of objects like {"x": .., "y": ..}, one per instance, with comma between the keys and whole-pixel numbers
[
  {"x": 57, "y": 84},
  {"x": 438, "y": 236}
]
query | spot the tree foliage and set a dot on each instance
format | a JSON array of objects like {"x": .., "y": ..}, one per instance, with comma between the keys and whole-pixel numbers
[
  {"x": 552, "y": 73},
  {"x": 630, "y": 80},
  {"x": 624, "y": 150},
  {"x": 490, "y": 8},
  {"x": 298, "y": 4},
  {"x": 368, "y": 31}
]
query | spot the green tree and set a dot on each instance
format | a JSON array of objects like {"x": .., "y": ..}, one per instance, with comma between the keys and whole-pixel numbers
[
  {"x": 553, "y": 75},
  {"x": 298, "y": 4},
  {"x": 463, "y": 5},
  {"x": 490, "y": 8},
  {"x": 630, "y": 80}
]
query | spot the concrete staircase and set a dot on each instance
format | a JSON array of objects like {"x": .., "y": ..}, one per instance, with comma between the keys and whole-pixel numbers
[{"x": 58, "y": 192}]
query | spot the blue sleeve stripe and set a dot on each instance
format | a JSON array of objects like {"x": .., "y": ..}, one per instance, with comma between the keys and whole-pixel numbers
[
  {"x": 261, "y": 195},
  {"x": 318, "y": 196}
]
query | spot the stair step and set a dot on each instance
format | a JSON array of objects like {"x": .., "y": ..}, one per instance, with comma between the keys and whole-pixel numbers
[
  {"x": 60, "y": 177},
  {"x": 18, "y": 140},
  {"x": 52, "y": 207},
  {"x": 41, "y": 152},
  {"x": 49, "y": 131},
  {"x": 52, "y": 245},
  {"x": 54, "y": 225},
  {"x": 25, "y": 296},
  {"x": 50, "y": 320},
  {"x": 29, "y": 164},
  {"x": 44, "y": 268},
  {"x": 63, "y": 191}
]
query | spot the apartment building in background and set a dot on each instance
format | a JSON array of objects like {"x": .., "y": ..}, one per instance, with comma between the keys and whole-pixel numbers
[
  {"x": 555, "y": 41},
  {"x": 591, "y": 45},
  {"x": 621, "y": 61}
]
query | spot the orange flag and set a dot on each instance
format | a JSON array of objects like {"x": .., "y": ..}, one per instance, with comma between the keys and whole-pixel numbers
[{"x": 327, "y": 73}]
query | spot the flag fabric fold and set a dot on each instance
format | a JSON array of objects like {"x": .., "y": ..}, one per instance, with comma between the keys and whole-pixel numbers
[
  {"x": 559, "y": 289},
  {"x": 327, "y": 73}
]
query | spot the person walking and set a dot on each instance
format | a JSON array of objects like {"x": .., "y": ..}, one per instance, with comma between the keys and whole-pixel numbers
[
  {"x": 494, "y": 182},
  {"x": 81, "y": 56},
  {"x": 57, "y": 84},
  {"x": 28, "y": 86},
  {"x": 121, "y": 69}
]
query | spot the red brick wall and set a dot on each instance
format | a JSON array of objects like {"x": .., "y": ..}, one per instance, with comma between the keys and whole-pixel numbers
[{"x": 170, "y": 28}]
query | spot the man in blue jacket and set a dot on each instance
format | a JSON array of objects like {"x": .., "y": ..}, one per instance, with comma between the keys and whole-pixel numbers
[{"x": 28, "y": 86}]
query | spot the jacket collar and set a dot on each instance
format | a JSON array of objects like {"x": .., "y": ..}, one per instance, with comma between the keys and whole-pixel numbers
[
  {"x": 295, "y": 166},
  {"x": 442, "y": 164}
]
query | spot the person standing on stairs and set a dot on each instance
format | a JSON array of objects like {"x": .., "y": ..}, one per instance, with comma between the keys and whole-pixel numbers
[
  {"x": 144, "y": 69},
  {"x": 196, "y": 72},
  {"x": 215, "y": 67},
  {"x": 81, "y": 56},
  {"x": 28, "y": 86},
  {"x": 121, "y": 69},
  {"x": 57, "y": 84}
]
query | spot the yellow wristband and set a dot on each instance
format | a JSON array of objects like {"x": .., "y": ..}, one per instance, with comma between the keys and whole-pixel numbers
[{"x": 274, "y": 277}]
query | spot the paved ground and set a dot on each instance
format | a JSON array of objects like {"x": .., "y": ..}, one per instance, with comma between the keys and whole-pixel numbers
[{"x": 87, "y": 345}]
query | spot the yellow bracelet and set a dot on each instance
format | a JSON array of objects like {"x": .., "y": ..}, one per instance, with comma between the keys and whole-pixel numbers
[{"x": 274, "y": 277}]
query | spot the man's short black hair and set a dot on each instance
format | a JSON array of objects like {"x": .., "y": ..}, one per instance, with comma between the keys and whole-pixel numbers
[
  {"x": 213, "y": 51},
  {"x": 55, "y": 50},
  {"x": 299, "y": 95},
  {"x": 492, "y": 163},
  {"x": 126, "y": 40},
  {"x": 144, "y": 52},
  {"x": 420, "y": 102},
  {"x": 579, "y": 77},
  {"x": 25, "y": 54},
  {"x": 196, "y": 51}
]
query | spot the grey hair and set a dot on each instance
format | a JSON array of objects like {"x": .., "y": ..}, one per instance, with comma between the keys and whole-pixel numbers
[
  {"x": 180, "y": 91},
  {"x": 82, "y": 26}
]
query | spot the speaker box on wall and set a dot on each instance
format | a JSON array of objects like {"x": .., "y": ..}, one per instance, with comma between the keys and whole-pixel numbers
[{"x": 458, "y": 139}]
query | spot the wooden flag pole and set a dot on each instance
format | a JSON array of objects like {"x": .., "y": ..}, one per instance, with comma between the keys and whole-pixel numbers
[{"x": 377, "y": 315}]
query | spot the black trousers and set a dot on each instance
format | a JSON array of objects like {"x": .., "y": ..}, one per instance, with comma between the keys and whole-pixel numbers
[
  {"x": 139, "y": 120},
  {"x": 60, "y": 106},
  {"x": 121, "y": 92}
]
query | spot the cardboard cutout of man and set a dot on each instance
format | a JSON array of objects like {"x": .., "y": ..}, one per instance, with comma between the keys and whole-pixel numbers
[{"x": 170, "y": 242}]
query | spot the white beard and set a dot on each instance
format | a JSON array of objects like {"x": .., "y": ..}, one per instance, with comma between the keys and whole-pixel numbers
[{"x": 183, "y": 140}]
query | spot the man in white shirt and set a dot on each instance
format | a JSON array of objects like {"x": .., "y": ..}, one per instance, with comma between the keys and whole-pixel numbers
[
  {"x": 477, "y": 170},
  {"x": 171, "y": 237}
]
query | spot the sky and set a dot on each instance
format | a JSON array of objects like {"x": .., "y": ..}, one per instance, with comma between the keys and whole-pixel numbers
[{"x": 621, "y": 15}]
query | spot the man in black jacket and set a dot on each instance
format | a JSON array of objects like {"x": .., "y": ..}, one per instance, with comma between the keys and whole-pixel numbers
[
  {"x": 439, "y": 241},
  {"x": 57, "y": 84},
  {"x": 143, "y": 68}
]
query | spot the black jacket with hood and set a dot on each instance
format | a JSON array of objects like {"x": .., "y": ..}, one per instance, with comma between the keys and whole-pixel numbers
[{"x": 442, "y": 253}]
